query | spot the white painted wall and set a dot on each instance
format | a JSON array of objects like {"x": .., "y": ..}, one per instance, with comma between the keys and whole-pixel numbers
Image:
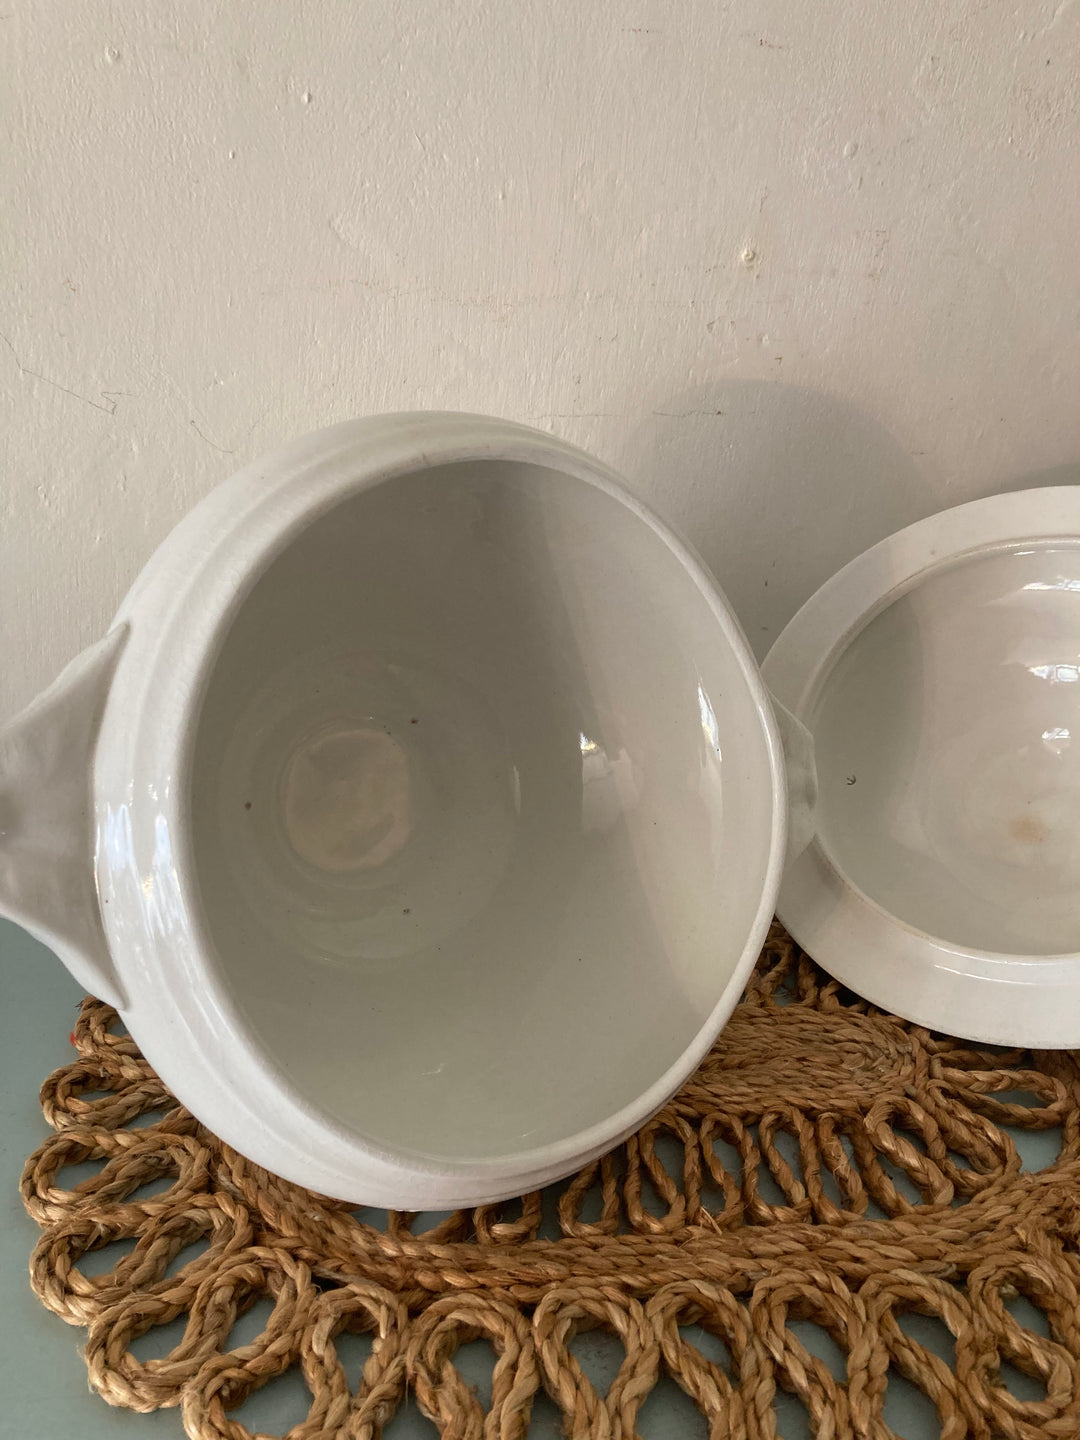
[{"x": 803, "y": 271}]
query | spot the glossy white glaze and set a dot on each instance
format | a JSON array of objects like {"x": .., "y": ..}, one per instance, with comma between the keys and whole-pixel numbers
[
  {"x": 47, "y": 817},
  {"x": 516, "y": 811},
  {"x": 940, "y": 677}
]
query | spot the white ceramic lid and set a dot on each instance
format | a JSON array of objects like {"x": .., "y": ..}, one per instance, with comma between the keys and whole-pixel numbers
[{"x": 939, "y": 674}]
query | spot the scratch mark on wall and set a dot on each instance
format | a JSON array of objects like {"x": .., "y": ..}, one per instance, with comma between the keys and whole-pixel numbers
[
  {"x": 764, "y": 43},
  {"x": 212, "y": 443},
  {"x": 107, "y": 402}
]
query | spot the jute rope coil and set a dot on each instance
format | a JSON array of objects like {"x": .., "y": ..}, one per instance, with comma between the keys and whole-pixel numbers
[{"x": 828, "y": 1162}]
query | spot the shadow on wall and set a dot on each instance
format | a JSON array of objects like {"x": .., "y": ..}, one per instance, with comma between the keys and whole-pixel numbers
[
  {"x": 777, "y": 487},
  {"x": 1040, "y": 479}
]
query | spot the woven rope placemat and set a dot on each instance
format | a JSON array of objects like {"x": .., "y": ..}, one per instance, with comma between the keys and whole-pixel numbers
[{"x": 828, "y": 1162}]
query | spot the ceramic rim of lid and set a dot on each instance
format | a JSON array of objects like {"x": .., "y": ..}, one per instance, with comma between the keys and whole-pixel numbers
[{"x": 997, "y": 995}]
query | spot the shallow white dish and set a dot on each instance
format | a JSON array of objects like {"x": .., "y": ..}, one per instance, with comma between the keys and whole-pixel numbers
[{"x": 939, "y": 674}]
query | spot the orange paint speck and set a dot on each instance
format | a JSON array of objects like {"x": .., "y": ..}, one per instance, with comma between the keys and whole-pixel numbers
[{"x": 1028, "y": 830}]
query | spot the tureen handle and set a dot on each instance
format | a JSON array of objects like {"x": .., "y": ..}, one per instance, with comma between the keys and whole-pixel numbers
[
  {"x": 47, "y": 881},
  {"x": 802, "y": 784}
]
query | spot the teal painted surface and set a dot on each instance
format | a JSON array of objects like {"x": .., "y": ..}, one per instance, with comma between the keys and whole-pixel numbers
[{"x": 42, "y": 1376}]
